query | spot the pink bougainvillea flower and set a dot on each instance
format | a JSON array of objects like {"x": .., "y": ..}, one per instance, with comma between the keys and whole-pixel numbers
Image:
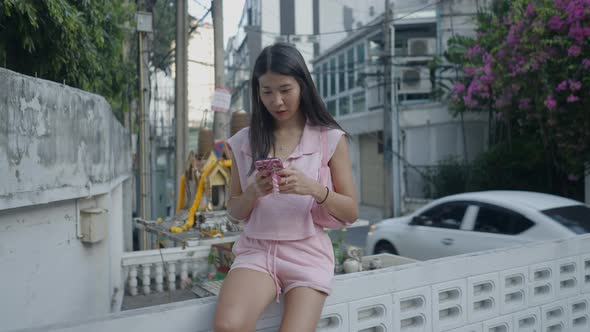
[
  {"x": 586, "y": 63},
  {"x": 469, "y": 102},
  {"x": 524, "y": 103},
  {"x": 573, "y": 178},
  {"x": 555, "y": 23},
  {"x": 574, "y": 51},
  {"x": 572, "y": 99},
  {"x": 550, "y": 103},
  {"x": 459, "y": 87},
  {"x": 576, "y": 33},
  {"x": 561, "y": 86},
  {"x": 474, "y": 51},
  {"x": 575, "y": 85},
  {"x": 530, "y": 9}
]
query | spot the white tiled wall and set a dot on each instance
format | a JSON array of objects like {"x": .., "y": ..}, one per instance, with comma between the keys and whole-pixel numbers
[
  {"x": 527, "y": 289},
  {"x": 532, "y": 288}
]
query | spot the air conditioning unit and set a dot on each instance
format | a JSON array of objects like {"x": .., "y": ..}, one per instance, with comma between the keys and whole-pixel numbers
[
  {"x": 421, "y": 47},
  {"x": 281, "y": 39},
  {"x": 415, "y": 80}
]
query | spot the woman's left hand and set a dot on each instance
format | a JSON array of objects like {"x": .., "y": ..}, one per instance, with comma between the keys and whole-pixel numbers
[{"x": 293, "y": 181}]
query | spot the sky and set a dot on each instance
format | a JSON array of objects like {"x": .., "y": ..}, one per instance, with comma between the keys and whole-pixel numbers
[
  {"x": 201, "y": 78},
  {"x": 232, "y": 11}
]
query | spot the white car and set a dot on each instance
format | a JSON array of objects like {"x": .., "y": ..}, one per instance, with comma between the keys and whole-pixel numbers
[{"x": 478, "y": 221}]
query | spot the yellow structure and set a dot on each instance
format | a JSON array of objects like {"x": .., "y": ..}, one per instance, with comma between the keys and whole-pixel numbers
[{"x": 215, "y": 172}]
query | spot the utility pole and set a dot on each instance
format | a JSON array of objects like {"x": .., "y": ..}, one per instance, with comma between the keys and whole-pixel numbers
[
  {"x": 387, "y": 119},
  {"x": 397, "y": 164},
  {"x": 220, "y": 119},
  {"x": 144, "y": 26},
  {"x": 181, "y": 102}
]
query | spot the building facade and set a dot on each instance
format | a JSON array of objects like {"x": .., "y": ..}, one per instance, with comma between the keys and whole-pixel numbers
[
  {"x": 264, "y": 23},
  {"x": 350, "y": 77},
  {"x": 344, "y": 46}
]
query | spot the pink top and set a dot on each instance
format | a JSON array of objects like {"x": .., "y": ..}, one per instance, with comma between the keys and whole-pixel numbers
[{"x": 284, "y": 216}]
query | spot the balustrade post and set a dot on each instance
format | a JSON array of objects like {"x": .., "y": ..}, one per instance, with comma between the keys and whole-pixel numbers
[
  {"x": 146, "y": 278},
  {"x": 171, "y": 266},
  {"x": 132, "y": 281}
]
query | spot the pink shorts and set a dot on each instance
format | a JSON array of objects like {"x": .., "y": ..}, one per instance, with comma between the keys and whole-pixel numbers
[{"x": 301, "y": 263}]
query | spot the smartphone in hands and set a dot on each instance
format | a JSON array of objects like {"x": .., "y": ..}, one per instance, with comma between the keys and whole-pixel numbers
[
  {"x": 272, "y": 165},
  {"x": 269, "y": 164}
]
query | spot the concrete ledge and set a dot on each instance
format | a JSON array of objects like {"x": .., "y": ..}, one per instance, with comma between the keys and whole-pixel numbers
[{"x": 420, "y": 284}]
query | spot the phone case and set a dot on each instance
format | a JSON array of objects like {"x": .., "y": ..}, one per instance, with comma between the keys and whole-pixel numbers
[
  {"x": 270, "y": 164},
  {"x": 273, "y": 165}
]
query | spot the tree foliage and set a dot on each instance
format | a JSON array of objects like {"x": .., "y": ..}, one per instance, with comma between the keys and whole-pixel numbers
[
  {"x": 162, "y": 55},
  {"x": 82, "y": 43},
  {"x": 530, "y": 67}
]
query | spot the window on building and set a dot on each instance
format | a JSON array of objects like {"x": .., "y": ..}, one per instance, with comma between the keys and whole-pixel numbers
[
  {"x": 360, "y": 54},
  {"x": 376, "y": 50},
  {"x": 316, "y": 78},
  {"x": 341, "y": 73},
  {"x": 344, "y": 106},
  {"x": 360, "y": 61},
  {"x": 350, "y": 67},
  {"x": 332, "y": 76},
  {"x": 358, "y": 102},
  {"x": 332, "y": 107},
  {"x": 325, "y": 80}
]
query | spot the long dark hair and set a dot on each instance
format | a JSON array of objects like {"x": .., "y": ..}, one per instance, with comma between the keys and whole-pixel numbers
[{"x": 286, "y": 60}]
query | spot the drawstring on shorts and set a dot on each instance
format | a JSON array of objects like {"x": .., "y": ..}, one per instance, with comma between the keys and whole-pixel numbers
[{"x": 273, "y": 271}]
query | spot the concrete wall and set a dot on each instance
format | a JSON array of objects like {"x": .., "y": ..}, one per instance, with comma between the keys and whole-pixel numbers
[
  {"x": 429, "y": 134},
  {"x": 541, "y": 286},
  {"x": 61, "y": 151},
  {"x": 56, "y": 142},
  {"x": 371, "y": 165}
]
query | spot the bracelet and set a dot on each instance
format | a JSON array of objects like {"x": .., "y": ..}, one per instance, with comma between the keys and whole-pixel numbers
[{"x": 325, "y": 197}]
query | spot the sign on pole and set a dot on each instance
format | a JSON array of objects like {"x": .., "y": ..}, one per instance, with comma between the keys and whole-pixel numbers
[{"x": 221, "y": 100}]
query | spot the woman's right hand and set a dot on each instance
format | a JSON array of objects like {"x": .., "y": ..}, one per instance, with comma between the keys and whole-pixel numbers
[{"x": 263, "y": 184}]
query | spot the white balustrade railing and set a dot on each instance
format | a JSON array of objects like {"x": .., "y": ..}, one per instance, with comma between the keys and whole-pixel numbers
[{"x": 157, "y": 270}]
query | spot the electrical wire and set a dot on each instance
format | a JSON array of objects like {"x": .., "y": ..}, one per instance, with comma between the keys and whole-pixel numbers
[{"x": 365, "y": 27}]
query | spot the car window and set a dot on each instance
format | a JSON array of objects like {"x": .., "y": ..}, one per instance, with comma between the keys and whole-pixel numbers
[
  {"x": 492, "y": 219},
  {"x": 575, "y": 217},
  {"x": 447, "y": 215}
]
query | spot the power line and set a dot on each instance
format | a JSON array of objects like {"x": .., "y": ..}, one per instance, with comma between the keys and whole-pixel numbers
[
  {"x": 192, "y": 29},
  {"x": 436, "y": 2},
  {"x": 200, "y": 4}
]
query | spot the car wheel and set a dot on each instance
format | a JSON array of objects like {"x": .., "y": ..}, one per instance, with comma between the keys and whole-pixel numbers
[{"x": 384, "y": 247}]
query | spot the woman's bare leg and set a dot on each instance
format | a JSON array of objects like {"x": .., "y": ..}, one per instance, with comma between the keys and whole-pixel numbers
[
  {"x": 302, "y": 310},
  {"x": 244, "y": 296}
]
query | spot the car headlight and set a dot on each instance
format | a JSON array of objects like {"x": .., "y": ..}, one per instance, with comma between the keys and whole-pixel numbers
[{"x": 372, "y": 228}]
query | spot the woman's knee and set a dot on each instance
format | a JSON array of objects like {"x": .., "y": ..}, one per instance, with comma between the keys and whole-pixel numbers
[
  {"x": 230, "y": 323},
  {"x": 224, "y": 325}
]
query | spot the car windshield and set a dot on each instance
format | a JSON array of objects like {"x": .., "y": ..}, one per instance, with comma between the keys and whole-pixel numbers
[{"x": 575, "y": 217}]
